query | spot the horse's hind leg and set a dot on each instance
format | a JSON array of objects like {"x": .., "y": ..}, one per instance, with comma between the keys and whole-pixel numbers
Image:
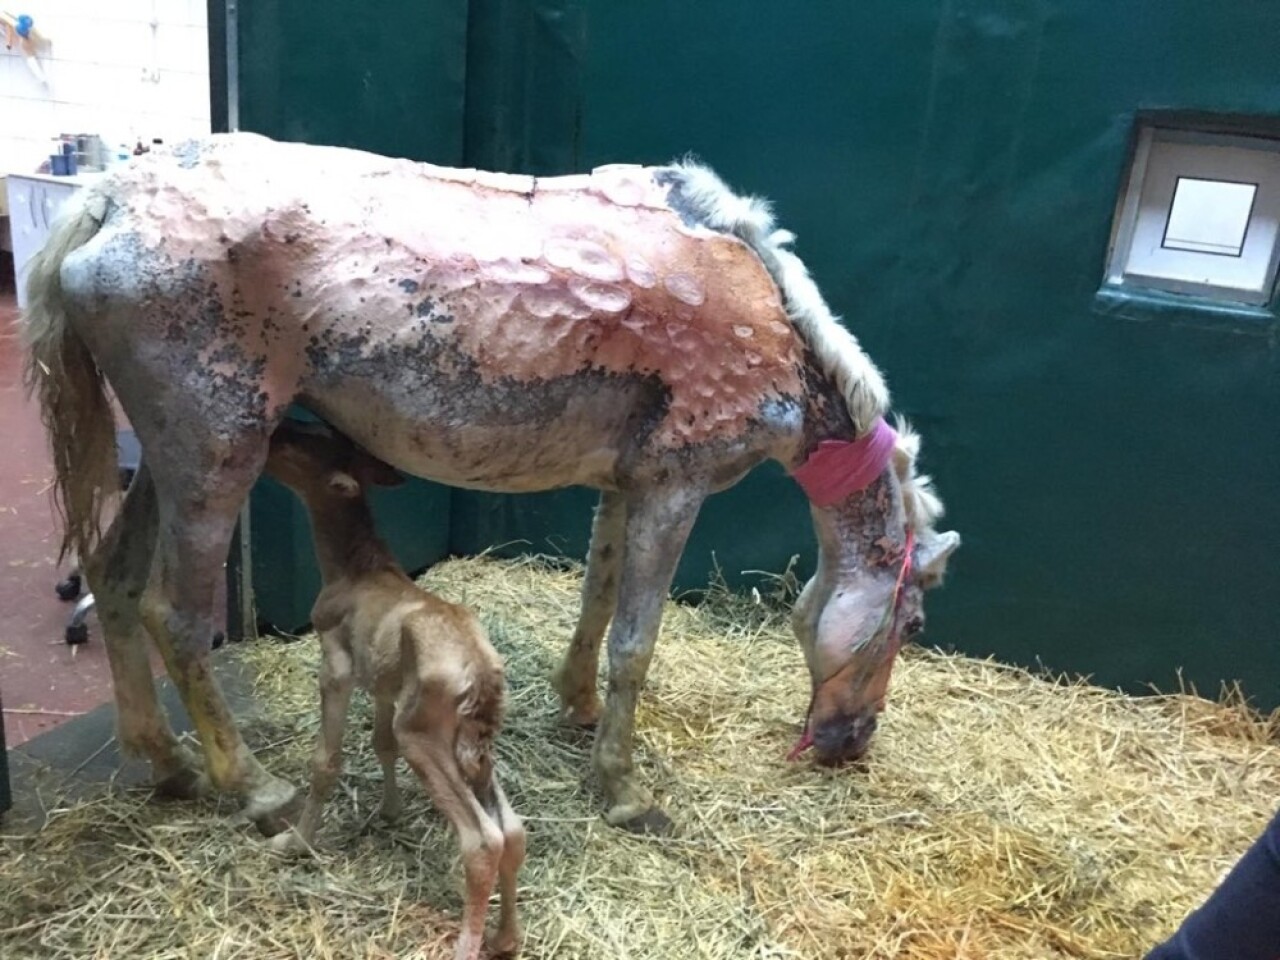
[
  {"x": 117, "y": 572},
  {"x": 576, "y": 678},
  {"x": 198, "y": 506}
]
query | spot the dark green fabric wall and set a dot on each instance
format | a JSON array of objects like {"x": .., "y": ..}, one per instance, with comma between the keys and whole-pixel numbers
[
  {"x": 6, "y": 796},
  {"x": 951, "y": 168},
  {"x": 388, "y": 78}
]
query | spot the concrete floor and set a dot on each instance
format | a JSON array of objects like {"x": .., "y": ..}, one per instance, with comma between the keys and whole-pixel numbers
[
  {"x": 80, "y": 758},
  {"x": 56, "y": 699},
  {"x": 43, "y": 682}
]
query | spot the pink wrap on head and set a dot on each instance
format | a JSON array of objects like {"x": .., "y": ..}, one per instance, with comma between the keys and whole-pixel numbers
[{"x": 838, "y": 468}]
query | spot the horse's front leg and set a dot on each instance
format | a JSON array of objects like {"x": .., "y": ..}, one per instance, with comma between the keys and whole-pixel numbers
[
  {"x": 575, "y": 679},
  {"x": 657, "y": 527}
]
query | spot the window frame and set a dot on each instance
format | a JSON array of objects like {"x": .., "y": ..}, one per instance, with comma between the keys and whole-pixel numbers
[{"x": 1119, "y": 278}]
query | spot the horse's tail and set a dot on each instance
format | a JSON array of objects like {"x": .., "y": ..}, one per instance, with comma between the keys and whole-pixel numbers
[
  {"x": 62, "y": 374},
  {"x": 704, "y": 195}
]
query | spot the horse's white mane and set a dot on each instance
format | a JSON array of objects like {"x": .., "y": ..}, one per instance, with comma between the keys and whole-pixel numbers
[
  {"x": 836, "y": 349},
  {"x": 920, "y": 500}
]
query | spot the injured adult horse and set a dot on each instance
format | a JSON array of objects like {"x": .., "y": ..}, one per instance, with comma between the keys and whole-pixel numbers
[{"x": 642, "y": 331}]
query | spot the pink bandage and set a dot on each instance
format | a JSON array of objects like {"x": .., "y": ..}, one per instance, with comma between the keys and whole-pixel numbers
[{"x": 839, "y": 468}]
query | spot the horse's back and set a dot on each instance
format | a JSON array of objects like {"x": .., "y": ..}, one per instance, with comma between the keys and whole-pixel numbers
[{"x": 405, "y": 299}]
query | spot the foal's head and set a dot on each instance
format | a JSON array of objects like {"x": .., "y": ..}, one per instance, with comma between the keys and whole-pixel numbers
[{"x": 321, "y": 465}]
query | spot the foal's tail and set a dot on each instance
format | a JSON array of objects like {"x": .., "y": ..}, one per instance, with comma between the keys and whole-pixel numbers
[
  {"x": 62, "y": 374},
  {"x": 480, "y": 711}
]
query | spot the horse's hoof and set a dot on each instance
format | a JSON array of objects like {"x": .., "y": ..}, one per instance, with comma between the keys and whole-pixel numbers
[
  {"x": 280, "y": 820},
  {"x": 580, "y": 723},
  {"x": 181, "y": 776},
  {"x": 186, "y": 783},
  {"x": 648, "y": 823},
  {"x": 581, "y": 716},
  {"x": 274, "y": 807},
  {"x": 288, "y": 843},
  {"x": 579, "y": 705}
]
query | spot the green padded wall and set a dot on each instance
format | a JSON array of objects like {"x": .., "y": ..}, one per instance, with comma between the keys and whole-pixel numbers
[
  {"x": 951, "y": 168},
  {"x": 390, "y": 78},
  {"x": 6, "y": 797}
]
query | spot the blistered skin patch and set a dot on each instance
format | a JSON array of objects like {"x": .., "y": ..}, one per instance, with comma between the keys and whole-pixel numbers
[{"x": 518, "y": 279}]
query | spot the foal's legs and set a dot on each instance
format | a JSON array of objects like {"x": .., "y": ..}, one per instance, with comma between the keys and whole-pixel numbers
[
  {"x": 116, "y": 574},
  {"x": 427, "y": 746},
  {"x": 198, "y": 505},
  {"x": 657, "y": 527},
  {"x": 384, "y": 747},
  {"x": 575, "y": 679},
  {"x": 336, "y": 683},
  {"x": 506, "y": 939}
]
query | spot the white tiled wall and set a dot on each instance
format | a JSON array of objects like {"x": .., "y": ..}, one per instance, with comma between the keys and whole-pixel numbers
[{"x": 100, "y": 51}]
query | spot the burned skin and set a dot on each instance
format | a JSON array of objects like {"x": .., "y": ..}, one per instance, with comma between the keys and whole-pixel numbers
[{"x": 464, "y": 350}]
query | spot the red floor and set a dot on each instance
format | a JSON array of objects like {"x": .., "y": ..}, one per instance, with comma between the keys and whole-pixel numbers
[{"x": 43, "y": 682}]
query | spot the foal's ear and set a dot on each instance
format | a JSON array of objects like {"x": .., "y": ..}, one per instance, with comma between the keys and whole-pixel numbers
[
  {"x": 344, "y": 484},
  {"x": 371, "y": 471}
]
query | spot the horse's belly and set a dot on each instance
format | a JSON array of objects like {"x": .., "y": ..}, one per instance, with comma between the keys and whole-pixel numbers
[{"x": 509, "y": 437}]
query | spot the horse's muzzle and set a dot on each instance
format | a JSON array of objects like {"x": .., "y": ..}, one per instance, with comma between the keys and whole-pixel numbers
[{"x": 843, "y": 739}]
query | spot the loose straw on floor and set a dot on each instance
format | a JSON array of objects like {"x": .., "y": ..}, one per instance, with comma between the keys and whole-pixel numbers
[{"x": 999, "y": 815}]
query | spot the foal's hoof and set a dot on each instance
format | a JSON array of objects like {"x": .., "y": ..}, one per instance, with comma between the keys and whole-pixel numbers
[
  {"x": 502, "y": 943},
  {"x": 648, "y": 823},
  {"x": 390, "y": 812}
]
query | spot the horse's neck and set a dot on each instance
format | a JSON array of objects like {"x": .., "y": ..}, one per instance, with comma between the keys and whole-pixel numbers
[
  {"x": 852, "y": 535},
  {"x": 826, "y": 413},
  {"x": 347, "y": 545}
]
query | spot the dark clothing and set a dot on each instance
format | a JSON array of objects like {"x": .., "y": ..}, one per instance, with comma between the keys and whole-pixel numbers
[{"x": 1241, "y": 919}]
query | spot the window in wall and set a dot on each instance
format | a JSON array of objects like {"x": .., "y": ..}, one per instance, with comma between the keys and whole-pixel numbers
[{"x": 1200, "y": 215}]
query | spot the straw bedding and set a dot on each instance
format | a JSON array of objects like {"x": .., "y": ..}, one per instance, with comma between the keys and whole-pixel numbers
[{"x": 1000, "y": 816}]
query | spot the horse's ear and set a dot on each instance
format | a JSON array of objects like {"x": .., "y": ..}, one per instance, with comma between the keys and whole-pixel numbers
[
  {"x": 931, "y": 556},
  {"x": 344, "y": 484},
  {"x": 371, "y": 471}
]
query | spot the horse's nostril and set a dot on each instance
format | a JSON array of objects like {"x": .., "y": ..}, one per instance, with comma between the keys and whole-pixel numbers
[{"x": 860, "y": 734}]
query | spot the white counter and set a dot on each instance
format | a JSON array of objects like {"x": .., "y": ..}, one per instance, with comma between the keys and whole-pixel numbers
[{"x": 33, "y": 201}]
